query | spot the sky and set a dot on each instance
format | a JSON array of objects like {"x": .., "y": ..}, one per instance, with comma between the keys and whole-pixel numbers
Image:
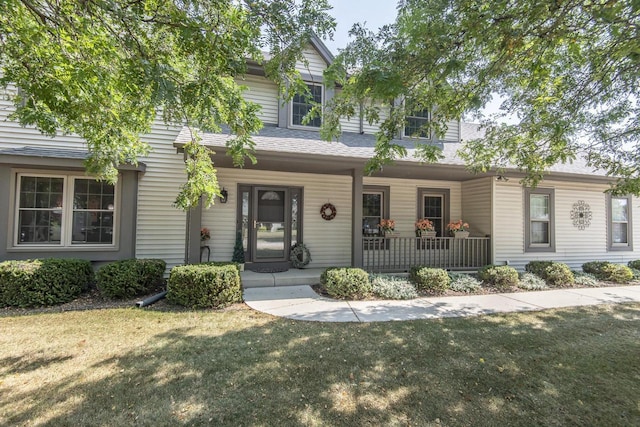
[{"x": 375, "y": 13}]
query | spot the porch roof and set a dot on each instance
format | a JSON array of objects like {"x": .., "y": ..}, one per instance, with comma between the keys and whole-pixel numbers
[{"x": 275, "y": 145}]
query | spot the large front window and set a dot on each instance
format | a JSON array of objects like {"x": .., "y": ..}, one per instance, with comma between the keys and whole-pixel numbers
[
  {"x": 372, "y": 212},
  {"x": 64, "y": 210},
  {"x": 301, "y": 105}
]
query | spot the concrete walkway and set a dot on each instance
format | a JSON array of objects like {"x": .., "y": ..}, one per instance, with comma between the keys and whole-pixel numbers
[{"x": 302, "y": 303}]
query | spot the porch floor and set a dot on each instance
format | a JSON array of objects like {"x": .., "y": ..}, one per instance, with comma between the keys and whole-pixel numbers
[{"x": 291, "y": 277}]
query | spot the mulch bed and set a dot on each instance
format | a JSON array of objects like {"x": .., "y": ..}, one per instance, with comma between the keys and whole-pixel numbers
[
  {"x": 319, "y": 289},
  {"x": 93, "y": 300}
]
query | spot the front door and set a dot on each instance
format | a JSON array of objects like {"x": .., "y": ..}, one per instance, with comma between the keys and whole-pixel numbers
[
  {"x": 269, "y": 219},
  {"x": 271, "y": 224}
]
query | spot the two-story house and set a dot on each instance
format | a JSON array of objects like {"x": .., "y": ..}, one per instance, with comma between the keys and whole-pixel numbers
[{"x": 304, "y": 189}]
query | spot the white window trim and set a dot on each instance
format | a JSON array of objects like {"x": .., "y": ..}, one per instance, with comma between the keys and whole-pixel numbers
[
  {"x": 428, "y": 119},
  {"x": 67, "y": 221},
  {"x": 322, "y": 98}
]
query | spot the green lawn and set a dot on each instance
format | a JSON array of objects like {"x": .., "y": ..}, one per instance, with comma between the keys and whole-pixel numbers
[{"x": 239, "y": 367}]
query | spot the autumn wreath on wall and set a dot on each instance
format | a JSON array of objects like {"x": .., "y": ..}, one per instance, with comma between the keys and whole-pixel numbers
[{"x": 328, "y": 211}]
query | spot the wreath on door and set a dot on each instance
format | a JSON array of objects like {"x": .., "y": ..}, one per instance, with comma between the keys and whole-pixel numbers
[
  {"x": 328, "y": 211},
  {"x": 300, "y": 255}
]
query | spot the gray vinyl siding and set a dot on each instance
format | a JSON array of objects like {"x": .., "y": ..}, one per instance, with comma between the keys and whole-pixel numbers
[
  {"x": 161, "y": 227},
  {"x": 315, "y": 64},
  {"x": 264, "y": 93},
  {"x": 572, "y": 246},
  {"x": 477, "y": 205}
]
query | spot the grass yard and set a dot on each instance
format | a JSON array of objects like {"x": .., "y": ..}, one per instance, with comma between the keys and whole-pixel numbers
[{"x": 239, "y": 367}]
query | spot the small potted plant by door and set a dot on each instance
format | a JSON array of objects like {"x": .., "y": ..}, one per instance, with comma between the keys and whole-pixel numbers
[
  {"x": 459, "y": 229},
  {"x": 238, "y": 252},
  {"x": 425, "y": 228},
  {"x": 387, "y": 228},
  {"x": 205, "y": 235}
]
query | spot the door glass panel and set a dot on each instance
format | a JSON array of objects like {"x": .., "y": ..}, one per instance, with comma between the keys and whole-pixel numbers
[
  {"x": 270, "y": 224},
  {"x": 295, "y": 202},
  {"x": 245, "y": 220}
]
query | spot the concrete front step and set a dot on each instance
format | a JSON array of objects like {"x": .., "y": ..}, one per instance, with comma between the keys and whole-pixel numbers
[{"x": 292, "y": 277}]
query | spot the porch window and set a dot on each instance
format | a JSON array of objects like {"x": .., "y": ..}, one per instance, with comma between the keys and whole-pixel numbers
[
  {"x": 433, "y": 204},
  {"x": 375, "y": 207},
  {"x": 539, "y": 224},
  {"x": 63, "y": 210},
  {"x": 301, "y": 104},
  {"x": 414, "y": 124},
  {"x": 619, "y": 236}
]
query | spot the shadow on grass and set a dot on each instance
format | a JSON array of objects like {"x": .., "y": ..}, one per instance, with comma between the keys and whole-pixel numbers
[{"x": 572, "y": 366}]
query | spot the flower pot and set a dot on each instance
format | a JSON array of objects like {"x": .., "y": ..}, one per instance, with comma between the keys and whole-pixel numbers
[
  {"x": 428, "y": 234},
  {"x": 391, "y": 233},
  {"x": 241, "y": 267},
  {"x": 461, "y": 234}
]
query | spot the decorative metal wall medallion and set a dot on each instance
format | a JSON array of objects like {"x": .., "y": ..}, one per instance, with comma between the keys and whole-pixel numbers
[{"x": 581, "y": 215}]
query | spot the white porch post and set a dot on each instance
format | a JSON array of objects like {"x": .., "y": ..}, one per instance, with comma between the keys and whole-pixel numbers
[{"x": 356, "y": 214}]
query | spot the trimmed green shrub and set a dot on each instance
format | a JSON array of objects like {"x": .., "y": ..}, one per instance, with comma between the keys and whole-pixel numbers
[
  {"x": 130, "y": 277},
  {"x": 204, "y": 286},
  {"x": 392, "y": 287},
  {"x": 558, "y": 274},
  {"x": 617, "y": 273},
  {"x": 634, "y": 264},
  {"x": 346, "y": 283},
  {"x": 42, "y": 282},
  {"x": 595, "y": 268},
  {"x": 430, "y": 279},
  {"x": 461, "y": 282},
  {"x": 585, "y": 279},
  {"x": 532, "y": 282},
  {"x": 538, "y": 268},
  {"x": 636, "y": 273},
  {"x": 499, "y": 276}
]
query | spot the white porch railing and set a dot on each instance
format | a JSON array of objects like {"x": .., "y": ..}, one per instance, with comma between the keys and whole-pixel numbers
[{"x": 395, "y": 254}]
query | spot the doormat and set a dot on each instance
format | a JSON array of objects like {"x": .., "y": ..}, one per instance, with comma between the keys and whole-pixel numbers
[{"x": 269, "y": 267}]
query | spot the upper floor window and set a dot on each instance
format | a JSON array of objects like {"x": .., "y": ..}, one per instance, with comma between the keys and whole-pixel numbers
[
  {"x": 619, "y": 236},
  {"x": 414, "y": 124},
  {"x": 539, "y": 221},
  {"x": 301, "y": 104},
  {"x": 64, "y": 210}
]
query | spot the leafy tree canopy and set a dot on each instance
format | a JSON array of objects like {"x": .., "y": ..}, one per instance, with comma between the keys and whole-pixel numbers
[
  {"x": 104, "y": 69},
  {"x": 567, "y": 70}
]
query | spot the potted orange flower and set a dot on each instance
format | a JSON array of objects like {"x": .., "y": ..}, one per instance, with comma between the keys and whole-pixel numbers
[
  {"x": 387, "y": 227},
  {"x": 458, "y": 229},
  {"x": 425, "y": 228}
]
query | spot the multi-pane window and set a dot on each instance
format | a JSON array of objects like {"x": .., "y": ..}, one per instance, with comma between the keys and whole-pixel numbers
[
  {"x": 539, "y": 221},
  {"x": 301, "y": 104},
  {"x": 620, "y": 223},
  {"x": 433, "y": 210},
  {"x": 372, "y": 213},
  {"x": 40, "y": 209},
  {"x": 64, "y": 211},
  {"x": 93, "y": 207},
  {"x": 414, "y": 124}
]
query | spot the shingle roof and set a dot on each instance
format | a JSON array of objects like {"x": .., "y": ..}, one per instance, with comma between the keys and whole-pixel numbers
[
  {"x": 349, "y": 145},
  {"x": 48, "y": 152},
  {"x": 359, "y": 146}
]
